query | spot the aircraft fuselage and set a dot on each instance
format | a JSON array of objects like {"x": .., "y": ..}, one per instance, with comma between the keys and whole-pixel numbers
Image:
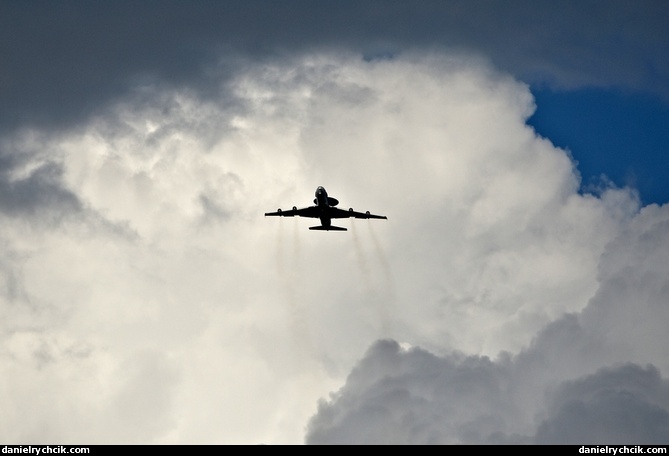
[{"x": 322, "y": 203}]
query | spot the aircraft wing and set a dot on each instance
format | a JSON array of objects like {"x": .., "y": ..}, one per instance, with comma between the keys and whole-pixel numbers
[
  {"x": 342, "y": 213},
  {"x": 311, "y": 211}
]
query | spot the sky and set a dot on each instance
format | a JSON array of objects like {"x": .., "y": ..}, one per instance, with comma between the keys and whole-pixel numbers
[{"x": 518, "y": 292}]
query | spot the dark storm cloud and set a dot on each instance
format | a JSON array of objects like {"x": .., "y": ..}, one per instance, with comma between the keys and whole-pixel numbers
[
  {"x": 622, "y": 405},
  {"x": 395, "y": 396},
  {"x": 414, "y": 397},
  {"x": 40, "y": 194},
  {"x": 62, "y": 60}
]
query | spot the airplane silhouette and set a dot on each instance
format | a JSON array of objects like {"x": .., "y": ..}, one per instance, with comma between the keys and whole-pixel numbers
[{"x": 325, "y": 210}]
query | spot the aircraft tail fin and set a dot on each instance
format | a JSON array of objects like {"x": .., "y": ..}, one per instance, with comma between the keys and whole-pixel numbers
[{"x": 327, "y": 228}]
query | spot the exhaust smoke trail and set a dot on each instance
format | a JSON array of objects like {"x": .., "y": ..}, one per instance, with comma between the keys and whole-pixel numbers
[
  {"x": 381, "y": 256},
  {"x": 388, "y": 300},
  {"x": 373, "y": 297},
  {"x": 296, "y": 246},
  {"x": 361, "y": 260}
]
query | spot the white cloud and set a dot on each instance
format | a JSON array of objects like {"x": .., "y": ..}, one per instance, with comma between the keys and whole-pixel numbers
[{"x": 164, "y": 289}]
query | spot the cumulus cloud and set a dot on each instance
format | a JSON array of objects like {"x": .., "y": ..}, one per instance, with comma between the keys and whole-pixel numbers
[
  {"x": 165, "y": 309},
  {"x": 410, "y": 396},
  {"x": 589, "y": 377},
  {"x": 399, "y": 396},
  {"x": 627, "y": 404}
]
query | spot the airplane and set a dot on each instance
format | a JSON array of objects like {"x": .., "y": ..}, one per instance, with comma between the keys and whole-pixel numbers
[{"x": 325, "y": 210}]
